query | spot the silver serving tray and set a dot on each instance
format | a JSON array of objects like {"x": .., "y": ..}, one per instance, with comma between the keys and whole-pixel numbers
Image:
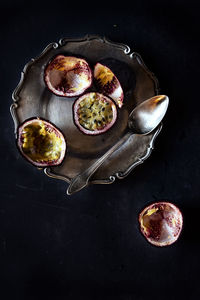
[{"x": 32, "y": 98}]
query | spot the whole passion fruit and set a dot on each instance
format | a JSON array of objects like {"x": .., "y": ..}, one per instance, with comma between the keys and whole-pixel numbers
[
  {"x": 68, "y": 76},
  {"x": 108, "y": 83},
  {"x": 41, "y": 142},
  {"x": 161, "y": 223},
  {"x": 94, "y": 113}
]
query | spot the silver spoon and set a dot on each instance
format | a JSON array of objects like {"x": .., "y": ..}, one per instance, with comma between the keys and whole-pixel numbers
[{"x": 142, "y": 120}]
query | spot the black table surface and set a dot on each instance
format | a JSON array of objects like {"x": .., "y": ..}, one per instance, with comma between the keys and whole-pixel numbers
[{"x": 88, "y": 246}]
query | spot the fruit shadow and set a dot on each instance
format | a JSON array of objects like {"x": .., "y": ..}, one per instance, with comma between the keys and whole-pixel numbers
[
  {"x": 190, "y": 231},
  {"x": 126, "y": 77}
]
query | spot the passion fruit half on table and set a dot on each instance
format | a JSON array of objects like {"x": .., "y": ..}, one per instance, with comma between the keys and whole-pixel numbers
[
  {"x": 41, "y": 143},
  {"x": 161, "y": 223},
  {"x": 68, "y": 76},
  {"x": 108, "y": 83},
  {"x": 94, "y": 113}
]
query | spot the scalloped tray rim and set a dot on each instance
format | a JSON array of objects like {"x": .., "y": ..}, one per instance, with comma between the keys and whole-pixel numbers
[{"x": 123, "y": 47}]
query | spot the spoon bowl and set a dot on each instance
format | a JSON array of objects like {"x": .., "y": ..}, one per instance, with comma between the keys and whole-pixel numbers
[{"x": 147, "y": 115}]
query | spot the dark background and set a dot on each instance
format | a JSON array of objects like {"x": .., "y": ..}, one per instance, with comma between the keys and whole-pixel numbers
[{"x": 88, "y": 246}]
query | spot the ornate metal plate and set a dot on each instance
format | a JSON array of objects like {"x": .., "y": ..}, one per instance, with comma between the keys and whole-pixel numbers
[{"x": 32, "y": 98}]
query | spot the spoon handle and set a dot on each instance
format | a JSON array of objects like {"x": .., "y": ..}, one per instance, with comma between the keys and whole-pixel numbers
[{"x": 81, "y": 180}]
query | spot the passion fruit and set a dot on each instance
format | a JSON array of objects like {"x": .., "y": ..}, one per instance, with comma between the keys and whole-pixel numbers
[
  {"x": 108, "y": 83},
  {"x": 161, "y": 223},
  {"x": 68, "y": 76},
  {"x": 41, "y": 142},
  {"x": 94, "y": 113}
]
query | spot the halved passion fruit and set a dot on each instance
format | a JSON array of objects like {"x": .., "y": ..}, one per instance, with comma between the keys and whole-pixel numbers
[
  {"x": 94, "y": 113},
  {"x": 41, "y": 143},
  {"x": 108, "y": 83},
  {"x": 68, "y": 76},
  {"x": 161, "y": 223}
]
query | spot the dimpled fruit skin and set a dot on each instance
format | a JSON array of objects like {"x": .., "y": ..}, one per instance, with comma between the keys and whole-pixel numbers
[
  {"x": 161, "y": 223},
  {"x": 108, "y": 83},
  {"x": 68, "y": 76}
]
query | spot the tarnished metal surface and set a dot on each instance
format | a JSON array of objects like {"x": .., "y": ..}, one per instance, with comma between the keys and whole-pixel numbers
[{"x": 32, "y": 98}]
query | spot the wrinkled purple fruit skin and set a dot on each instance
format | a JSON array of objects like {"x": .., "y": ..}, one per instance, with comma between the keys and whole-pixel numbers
[
  {"x": 110, "y": 86},
  {"x": 156, "y": 230},
  {"x": 64, "y": 81}
]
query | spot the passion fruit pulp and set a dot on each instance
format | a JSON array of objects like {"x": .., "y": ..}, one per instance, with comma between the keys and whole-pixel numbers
[
  {"x": 41, "y": 142},
  {"x": 161, "y": 223},
  {"x": 94, "y": 113},
  {"x": 108, "y": 83},
  {"x": 68, "y": 76}
]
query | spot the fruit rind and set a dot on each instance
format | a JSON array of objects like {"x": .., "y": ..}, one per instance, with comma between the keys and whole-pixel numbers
[
  {"x": 94, "y": 115},
  {"x": 164, "y": 225},
  {"x": 108, "y": 83},
  {"x": 68, "y": 76},
  {"x": 50, "y": 130}
]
